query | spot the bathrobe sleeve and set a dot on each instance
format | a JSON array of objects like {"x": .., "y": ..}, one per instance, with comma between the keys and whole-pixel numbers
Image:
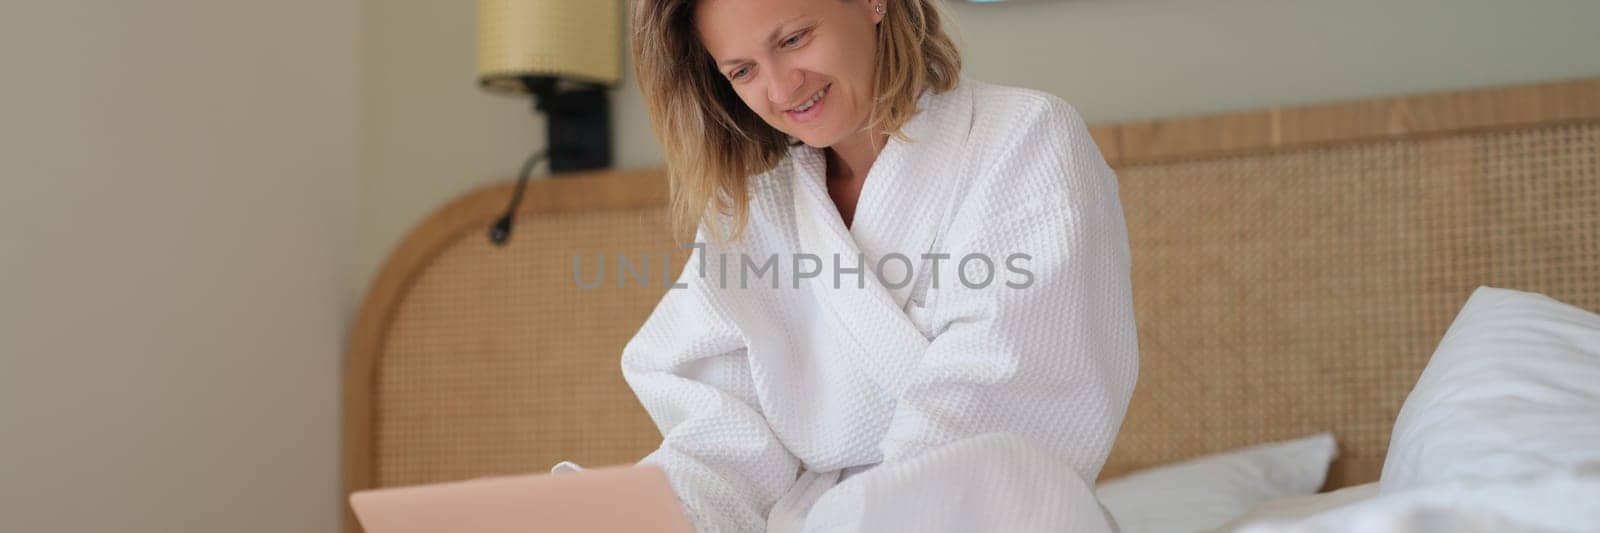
[
  {"x": 688, "y": 368},
  {"x": 1023, "y": 389}
]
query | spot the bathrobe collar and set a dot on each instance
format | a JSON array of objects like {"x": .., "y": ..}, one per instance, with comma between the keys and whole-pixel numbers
[{"x": 907, "y": 194}]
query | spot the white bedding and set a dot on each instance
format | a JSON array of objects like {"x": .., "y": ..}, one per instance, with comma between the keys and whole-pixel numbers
[
  {"x": 1567, "y": 500},
  {"x": 1501, "y": 432},
  {"x": 1297, "y": 508},
  {"x": 1561, "y": 501},
  {"x": 1206, "y": 492}
]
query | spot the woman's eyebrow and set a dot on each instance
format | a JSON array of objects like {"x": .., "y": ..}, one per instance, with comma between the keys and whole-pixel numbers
[
  {"x": 771, "y": 38},
  {"x": 778, "y": 31}
]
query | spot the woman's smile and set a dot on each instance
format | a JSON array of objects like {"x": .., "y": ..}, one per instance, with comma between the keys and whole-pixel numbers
[{"x": 811, "y": 108}]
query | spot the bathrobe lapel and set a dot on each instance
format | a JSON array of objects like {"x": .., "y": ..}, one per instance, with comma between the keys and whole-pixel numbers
[{"x": 904, "y": 203}]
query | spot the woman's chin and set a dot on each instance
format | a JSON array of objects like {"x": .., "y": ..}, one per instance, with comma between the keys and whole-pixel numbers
[{"x": 817, "y": 139}]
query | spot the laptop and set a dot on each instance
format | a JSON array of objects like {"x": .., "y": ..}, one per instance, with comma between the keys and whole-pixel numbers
[{"x": 621, "y": 498}]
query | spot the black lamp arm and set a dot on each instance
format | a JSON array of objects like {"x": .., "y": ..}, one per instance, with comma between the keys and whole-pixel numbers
[{"x": 500, "y": 233}]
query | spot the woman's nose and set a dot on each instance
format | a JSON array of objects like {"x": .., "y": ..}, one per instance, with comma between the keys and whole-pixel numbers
[{"x": 785, "y": 85}]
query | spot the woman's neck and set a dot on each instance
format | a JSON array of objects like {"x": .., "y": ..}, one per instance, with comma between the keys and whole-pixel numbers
[
  {"x": 850, "y": 159},
  {"x": 848, "y": 163}
]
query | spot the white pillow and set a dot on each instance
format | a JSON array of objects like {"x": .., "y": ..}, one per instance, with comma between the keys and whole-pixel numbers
[
  {"x": 1209, "y": 491},
  {"x": 1297, "y": 508},
  {"x": 1512, "y": 391}
]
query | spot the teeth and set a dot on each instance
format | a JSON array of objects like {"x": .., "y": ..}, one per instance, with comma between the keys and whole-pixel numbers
[{"x": 813, "y": 101}]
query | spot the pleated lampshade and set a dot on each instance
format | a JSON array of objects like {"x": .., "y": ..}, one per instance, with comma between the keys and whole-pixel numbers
[{"x": 575, "y": 40}]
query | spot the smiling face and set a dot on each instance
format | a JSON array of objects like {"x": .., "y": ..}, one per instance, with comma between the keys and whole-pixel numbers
[{"x": 806, "y": 67}]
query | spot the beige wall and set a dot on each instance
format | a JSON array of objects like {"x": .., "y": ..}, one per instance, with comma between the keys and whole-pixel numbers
[
  {"x": 1132, "y": 59},
  {"x": 429, "y": 134},
  {"x": 178, "y": 184}
]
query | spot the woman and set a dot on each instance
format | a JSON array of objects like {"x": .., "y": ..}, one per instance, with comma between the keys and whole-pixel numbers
[{"x": 911, "y": 307}]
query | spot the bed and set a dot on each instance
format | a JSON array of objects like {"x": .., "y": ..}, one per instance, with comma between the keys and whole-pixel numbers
[{"x": 1293, "y": 270}]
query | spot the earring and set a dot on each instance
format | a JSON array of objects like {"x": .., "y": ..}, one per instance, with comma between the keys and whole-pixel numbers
[{"x": 879, "y": 9}]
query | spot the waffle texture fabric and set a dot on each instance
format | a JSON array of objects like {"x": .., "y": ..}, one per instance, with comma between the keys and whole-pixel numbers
[{"x": 959, "y": 358}]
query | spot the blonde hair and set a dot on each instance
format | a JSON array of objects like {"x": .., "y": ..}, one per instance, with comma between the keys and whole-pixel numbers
[{"x": 713, "y": 143}]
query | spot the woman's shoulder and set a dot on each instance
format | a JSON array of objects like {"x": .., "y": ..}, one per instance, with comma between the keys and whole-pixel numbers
[
  {"x": 1013, "y": 122},
  {"x": 1016, "y": 109},
  {"x": 1034, "y": 141}
]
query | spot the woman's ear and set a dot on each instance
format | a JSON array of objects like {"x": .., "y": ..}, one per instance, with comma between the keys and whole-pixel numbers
[{"x": 877, "y": 8}]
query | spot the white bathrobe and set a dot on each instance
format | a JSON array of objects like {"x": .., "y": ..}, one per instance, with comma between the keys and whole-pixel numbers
[{"x": 921, "y": 400}]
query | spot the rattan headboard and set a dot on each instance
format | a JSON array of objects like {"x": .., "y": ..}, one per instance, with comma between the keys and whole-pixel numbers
[{"x": 1293, "y": 269}]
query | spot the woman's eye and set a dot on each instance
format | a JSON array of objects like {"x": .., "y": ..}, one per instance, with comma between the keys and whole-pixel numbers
[
  {"x": 740, "y": 73},
  {"x": 793, "y": 40}
]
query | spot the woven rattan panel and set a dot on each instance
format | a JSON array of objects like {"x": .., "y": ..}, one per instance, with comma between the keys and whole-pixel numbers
[
  {"x": 497, "y": 361},
  {"x": 1282, "y": 295}
]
